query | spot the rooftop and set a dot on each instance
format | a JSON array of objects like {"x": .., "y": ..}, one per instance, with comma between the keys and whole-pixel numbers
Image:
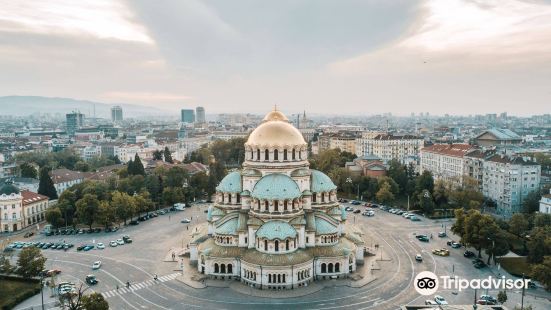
[{"x": 455, "y": 150}]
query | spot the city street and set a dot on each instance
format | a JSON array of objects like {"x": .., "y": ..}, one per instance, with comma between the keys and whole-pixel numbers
[{"x": 139, "y": 261}]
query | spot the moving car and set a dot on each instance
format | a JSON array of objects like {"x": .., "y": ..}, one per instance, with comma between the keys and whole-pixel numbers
[
  {"x": 440, "y": 300},
  {"x": 419, "y": 258},
  {"x": 185, "y": 221},
  {"x": 456, "y": 245},
  {"x": 415, "y": 218},
  {"x": 27, "y": 235},
  {"x": 100, "y": 246},
  {"x": 468, "y": 254},
  {"x": 442, "y": 234},
  {"x": 424, "y": 238},
  {"x": 441, "y": 252},
  {"x": 91, "y": 279},
  {"x": 348, "y": 209},
  {"x": 488, "y": 298},
  {"x": 357, "y": 211},
  {"x": 96, "y": 265}
]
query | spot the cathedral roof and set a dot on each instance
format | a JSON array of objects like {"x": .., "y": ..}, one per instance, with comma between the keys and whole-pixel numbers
[
  {"x": 231, "y": 183},
  {"x": 323, "y": 227},
  {"x": 320, "y": 182},
  {"x": 276, "y": 186},
  {"x": 8, "y": 189},
  {"x": 275, "y": 131},
  {"x": 276, "y": 230},
  {"x": 229, "y": 227}
]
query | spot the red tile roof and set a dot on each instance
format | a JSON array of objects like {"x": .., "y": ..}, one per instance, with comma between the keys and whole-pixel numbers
[
  {"x": 455, "y": 150},
  {"x": 31, "y": 197}
]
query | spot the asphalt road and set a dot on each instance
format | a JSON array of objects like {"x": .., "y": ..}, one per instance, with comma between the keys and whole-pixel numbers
[{"x": 140, "y": 261}]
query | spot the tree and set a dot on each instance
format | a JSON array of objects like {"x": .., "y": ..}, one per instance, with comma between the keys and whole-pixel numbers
[
  {"x": 518, "y": 225},
  {"x": 123, "y": 204},
  {"x": 168, "y": 155},
  {"x": 480, "y": 230},
  {"x": 46, "y": 185},
  {"x": 425, "y": 182},
  {"x": 94, "y": 301},
  {"x": 384, "y": 195},
  {"x": 87, "y": 207},
  {"x": 5, "y": 265},
  {"x": 425, "y": 202},
  {"x": 497, "y": 245},
  {"x": 129, "y": 168},
  {"x": 397, "y": 172},
  {"x": 441, "y": 192},
  {"x": 175, "y": 177},
  {"x": 30, "y": 262},
  {"x": 531, "y": 202},
  {"x": 542, "y": 273},
  {"x": 105, "y": 214},
  {"x": 542, "y": 219},
  {"x": 137, "y": 166},
  {"x": 157, "y": 155},
  {"x": 539, "y": 244},
  {"x": 82, "y": 166},
  {"x": 27, "y": 171},
  {"x": 54, "y": 216},
  {"x": 458, "y": 227},
  {"x": 502, "y": 297}
]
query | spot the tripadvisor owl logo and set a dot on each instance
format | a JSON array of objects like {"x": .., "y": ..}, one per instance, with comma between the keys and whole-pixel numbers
[{"x": 426, "y": 283}]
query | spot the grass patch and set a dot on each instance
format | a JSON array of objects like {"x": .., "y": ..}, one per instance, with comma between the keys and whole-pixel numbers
[
  {"x": 13, "y": 291},
  {"x": 515, "y": 265}
]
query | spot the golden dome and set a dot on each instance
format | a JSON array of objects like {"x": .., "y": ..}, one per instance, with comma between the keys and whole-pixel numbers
[{"x": 275, "y": 130}]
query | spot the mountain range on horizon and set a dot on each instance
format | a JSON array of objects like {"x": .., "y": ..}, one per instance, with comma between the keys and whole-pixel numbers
[{"x": 27, "y": 105}]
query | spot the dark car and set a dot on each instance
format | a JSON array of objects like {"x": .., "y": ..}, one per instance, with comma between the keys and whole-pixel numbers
[
  {"x": 485, "y": 302},
  {"x": 91, "y": 279},
  {"x": 97, "y": 230},
  {"x": 88, "y": 247},
  {"x": 356, "y": 203},
  {"x": 134, "y": 222},
  {"x": 27, "y": 235},
  {"x": 468, "y": 254},
  {"x": 357, "y": 211},
  {"x": 81, "y": 247},
  {"x": 424, "y": 238}
]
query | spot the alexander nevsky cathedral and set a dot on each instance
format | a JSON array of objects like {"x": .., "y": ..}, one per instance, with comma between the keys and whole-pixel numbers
[{"x": 276, "y": 224}]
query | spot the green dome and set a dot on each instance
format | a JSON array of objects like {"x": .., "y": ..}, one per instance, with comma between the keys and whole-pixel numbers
[
  {"x": 320, "y": 182},
  {"x": 229, "y": 227},
  {"x": 231, "y": 183},
  {"x": 276, "y": 186},
  {"x": 8, "y": 189},
  {"x": 323, "y": 227},
  {"x": 276, "y": 230}
]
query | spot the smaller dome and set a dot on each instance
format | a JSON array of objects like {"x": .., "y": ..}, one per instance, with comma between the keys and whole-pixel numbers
[
  {"x": 246, "y": 193},
  {"x": 320, "y": 182},
  {"x": 276, "y": 186},
  {"x": 231, "y": 183},
  {"x": 8, "y": 189},
  {"x": 276, "y": 230},
  {"x": 275, "y": 115}
]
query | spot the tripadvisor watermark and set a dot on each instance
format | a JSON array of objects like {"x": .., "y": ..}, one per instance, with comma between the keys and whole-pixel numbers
[{"x": 427, "y": 283}]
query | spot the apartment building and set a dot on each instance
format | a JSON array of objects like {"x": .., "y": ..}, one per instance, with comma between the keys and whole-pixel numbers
[
  {"x": 389, "y": 146},
  {"x": 445, "y": 161},
  {"x": 508, "y": 180}
]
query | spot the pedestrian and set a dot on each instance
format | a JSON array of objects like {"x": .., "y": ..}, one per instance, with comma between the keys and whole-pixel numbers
[
  {"x": 117, "y": 287},
  {"x": 187, "y": 227},
  {"x": 169, "y": 217},
  {"x": 431, "y": 236},
  {"x": 155, "y": 277},
  {"x": 173, "y": 256},
  {"x": 127, "y": 284}
]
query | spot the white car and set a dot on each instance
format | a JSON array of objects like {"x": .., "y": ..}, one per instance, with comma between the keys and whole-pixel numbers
[
  {"x": 100, "y": 246},
  {"x": 120, "y": 242},
  {"x": 113, "y": 243},
  {"x": 419, "y": 258},
  {"x": 186, "y": 220},
  {"x": 440, "y": 300},
  {"x": 96, "y": 265},
  {"x": 405, "y": 214}
]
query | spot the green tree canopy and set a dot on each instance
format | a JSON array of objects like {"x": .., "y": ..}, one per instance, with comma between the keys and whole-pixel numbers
[
  {"x": 87, "y": 208},
  {"x": 94, "y": 301},
  {"x": 28, "y": 171},
  {"x": 54, "y": 216},
  {"x": 168, "y": 155},
  {"x": 30, "y": 262},
  {"x": 385, "y": 195},
  {"x": 46, "y": 185}
]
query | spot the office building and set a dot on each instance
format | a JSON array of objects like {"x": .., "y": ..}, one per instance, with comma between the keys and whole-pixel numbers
[
  {"x": 188, "y": 116},
  {"x": 116, "y": 114},
  {"x": 74, "y": 120},
  {"x": 200, "y": 113}
]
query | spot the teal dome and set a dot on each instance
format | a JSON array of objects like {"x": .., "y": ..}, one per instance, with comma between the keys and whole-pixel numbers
[
  {"x": 323, "y": 227},
  {"x": 276, "y": 230},
  {"x": 320, "y": 182},
  {"x": 276, "y": 186},
  {"x": 8, "y": 189},
  {"x": 231, "y": 183},
  {"x": 229, "y": 227}
]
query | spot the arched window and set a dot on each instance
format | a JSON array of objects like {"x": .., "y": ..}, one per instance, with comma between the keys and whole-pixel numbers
[
  {"x": 314, "y": 195},
  {"x": 287, "y": 245},
  {"x": 278, "y": 278},
  {"x": 284, "y": 205},
  {"x": 276, "y": 205},
  {"x": 252, "y": 154},
  {"x": 222, "y": 197},
  {"x": 265, "y": 245},
  {"x": 322, "y": 197},
  {"x": 202, "y": 259},
  {"x": 284, "y": 278},
  {"x": 230, "y": 268},
  {"x": 330, "y": 268},
  {"x": 300, "y": 154},
  {"x": 238, "y": 198},
  {"x": 258, "y": 202},
  {"x": 229, "y": 198},
  {"x": 337, "y": 267},
  {"x": 295, "y": 243},
  {"x": 266, "y": 154},
  {"x": 323, "y": 268},
  {"x": 258, "y": 154},
  {"x": 293, "y": 204},
  {"x": 269, "y": 278},
  {"x": 276, "y": 246},
  {"x": 276, "y": 155},
  {"x": 222, "y": 268},
  {"x": 216, "y": 270},
  {"x": 285, "y": 154},
  {"x": 294, "y": 154},
  {"x": 266, "y": 206}
]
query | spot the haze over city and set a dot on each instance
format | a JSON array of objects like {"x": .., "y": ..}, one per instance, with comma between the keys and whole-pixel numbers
[{"x": 345, "y": 57}]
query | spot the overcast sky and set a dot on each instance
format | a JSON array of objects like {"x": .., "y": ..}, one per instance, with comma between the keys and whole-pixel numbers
[{"x": 337, "y": 57}]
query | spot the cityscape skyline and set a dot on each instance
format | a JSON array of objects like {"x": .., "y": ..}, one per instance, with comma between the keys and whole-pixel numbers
[{"x": 483, "y": 57}]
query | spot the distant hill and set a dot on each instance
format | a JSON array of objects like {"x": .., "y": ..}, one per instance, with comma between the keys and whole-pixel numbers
[{"x": 26, "y": 105}]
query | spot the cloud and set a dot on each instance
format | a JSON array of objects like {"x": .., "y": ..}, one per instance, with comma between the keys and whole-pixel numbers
[
  {"x": 99, "y": 18},
  {"x": 143, "y": 96}
]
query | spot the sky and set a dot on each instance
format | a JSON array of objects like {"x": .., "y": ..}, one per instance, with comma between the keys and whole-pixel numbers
[{"x": 351, "y": 57}]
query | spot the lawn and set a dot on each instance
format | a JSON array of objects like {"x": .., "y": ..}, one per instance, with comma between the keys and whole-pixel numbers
[
  {"x": 14, "y": 291},
  {"x": 515, "y": 265}
]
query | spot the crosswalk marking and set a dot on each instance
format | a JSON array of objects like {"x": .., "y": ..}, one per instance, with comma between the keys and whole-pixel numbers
[{"x": 139, "y": 286}]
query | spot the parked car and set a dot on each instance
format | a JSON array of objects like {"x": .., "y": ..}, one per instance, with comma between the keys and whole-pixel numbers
[
  {"x": 134, "y": 222},
  {"x": 488, "y": 298},
  {"x": 440, "y": 300},
  {"x": 456, "y": 245},
  {"x": 357, "y": 211},
  {"x": 430, "y": 302},
  {"x": 91, "y": 279},
  {"x": 468, "y": 254},
  {"x": 349, "y": 209},
  {"x": 126, "y": 239},
  {"x": 185, "y": 221},
  {"x": 419, "y": 258},
  {"x": 96, "y": 265},
  {"x": 485, "y": 302},
  {"x": 415, "y": 218},
  {"x": 88, "y": 247},
  {"x": 442, "y": 234},
  {"x": 120, "y": 242},
  {"x": 441, "y": 252},
  {"x": 113, "y": 243},
  {"x": 355, "y": 202},
  {"x": 100, "y": 246},
  {"x": 27, "y": 235},
  {"x": 479, "y": 265},
  {"x": 81, "y": 247}
]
